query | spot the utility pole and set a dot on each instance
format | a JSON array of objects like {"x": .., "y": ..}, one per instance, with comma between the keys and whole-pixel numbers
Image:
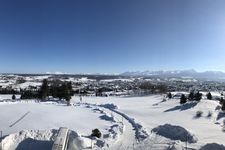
[{"x": 91, "y": 142}]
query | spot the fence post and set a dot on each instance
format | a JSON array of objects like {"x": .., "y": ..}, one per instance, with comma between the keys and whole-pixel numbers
[
  {"x": 186, "y": 141},
  {"x": 1, "y": 140},
  {"x": 91, "y": 143}
]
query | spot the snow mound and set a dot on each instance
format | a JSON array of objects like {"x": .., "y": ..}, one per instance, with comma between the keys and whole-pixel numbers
[
  {"x": 41, "y": 140},
  {"x": 212, "y": 146},
  {"x": 175, "y": 146},
  {"x": 98, "y": 110},
  {"x": 109, "y": 106},
  {"x": 29, "y": 139},
  {"x": 107, "y": 118},
  {"x": 114, "y": 132},
  {"x": 175, "y": 133},
  {"x": 76, "y": 141}
]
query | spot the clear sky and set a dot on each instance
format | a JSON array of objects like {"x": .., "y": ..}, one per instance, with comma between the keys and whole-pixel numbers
[{"x": 111, "y": 36}]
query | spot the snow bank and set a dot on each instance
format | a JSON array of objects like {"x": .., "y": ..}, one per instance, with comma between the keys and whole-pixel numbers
[
  {"x": 29, "y": 139},
  {"x": 175, "y": 133},
  {"x": 109, "y": 106},
  {"x": 114, "y": 132},
  {"x": 107, "y": 117},
  {"x": 77, "y": 142},
  {"x": 212, "y": 146},
  {"x": 175, "y": 146},
  {"x": 42, "y": 140}
]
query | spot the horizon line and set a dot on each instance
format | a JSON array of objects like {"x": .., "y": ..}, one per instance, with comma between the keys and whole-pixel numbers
[{"x": 67, "y": 73}]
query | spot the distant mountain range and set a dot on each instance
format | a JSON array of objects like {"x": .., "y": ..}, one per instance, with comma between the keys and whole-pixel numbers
[{"x": 215, "y": 75}]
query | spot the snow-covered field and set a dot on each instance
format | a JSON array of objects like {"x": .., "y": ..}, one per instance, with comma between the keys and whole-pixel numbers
[{"x": 125, "y": 122}]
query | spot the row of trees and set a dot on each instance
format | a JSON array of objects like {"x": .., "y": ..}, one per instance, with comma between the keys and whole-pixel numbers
[
  {"x": 29, "y": 94},
  {"x": 191, "y": 97},
  {"x": 56, "y": 90},
  {"x": 8, "y": 91},
  {"x": 195, "y": 96},
  {"x": 198, "y": 96}
]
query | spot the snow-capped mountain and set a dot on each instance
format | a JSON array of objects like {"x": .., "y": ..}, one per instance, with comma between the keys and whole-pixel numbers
[{"x": 179, "y": 73}]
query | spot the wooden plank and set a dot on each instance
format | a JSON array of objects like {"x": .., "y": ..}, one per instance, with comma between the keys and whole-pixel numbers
[{"x": 61, "y": 140}]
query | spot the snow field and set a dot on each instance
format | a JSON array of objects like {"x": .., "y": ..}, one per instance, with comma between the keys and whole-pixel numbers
[{"x": 141, "y": 123}]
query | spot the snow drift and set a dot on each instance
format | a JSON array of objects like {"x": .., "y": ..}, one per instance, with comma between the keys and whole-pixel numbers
[
  {"x": 175, "y": 133},
  {"x": 212, "y": 146},
  {"x": 29, "y": 139}
]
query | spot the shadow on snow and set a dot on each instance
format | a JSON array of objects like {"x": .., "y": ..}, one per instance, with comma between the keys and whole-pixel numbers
[
  {"x": 33, "y": 144},
  {"x": 185, "y": 106}
]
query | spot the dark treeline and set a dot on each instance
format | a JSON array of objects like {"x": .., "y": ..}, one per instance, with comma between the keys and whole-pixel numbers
[
  {"x": 61, "y": 90},
  {"x": 193, "y": 96},
  {"x": 8, "y": 91}
]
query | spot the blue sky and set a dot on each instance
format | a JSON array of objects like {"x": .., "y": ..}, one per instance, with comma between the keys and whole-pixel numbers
[{"x": 111, "y": 36}]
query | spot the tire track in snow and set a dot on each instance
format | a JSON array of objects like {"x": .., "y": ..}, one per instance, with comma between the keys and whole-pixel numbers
[
  {"x": 127, "y": 138},
  {"x": 140, "y": 133}
]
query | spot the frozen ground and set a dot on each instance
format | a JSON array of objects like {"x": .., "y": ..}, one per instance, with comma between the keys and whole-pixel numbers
[{"x": 125, "y": 122}]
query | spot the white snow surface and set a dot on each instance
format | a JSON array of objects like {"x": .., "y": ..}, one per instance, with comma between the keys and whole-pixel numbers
[
  {"x": 175, "y": 133},
  {"x": 125, "y": 122},
  {"x": 29, "y": 139}
]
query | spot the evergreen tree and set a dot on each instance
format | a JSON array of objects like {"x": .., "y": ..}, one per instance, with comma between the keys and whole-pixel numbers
[
  {"x": 221, "y": 97},
  {"x": 183, "y": 99},
  {"x": 54, "y": 90},
  {"x": 198, "y": 96},
  {"x": 209, "y": 96},
  {"x": 223, "y": 106},
  {"x": 13, "y": 97},
  {"x": 64, "y": 92},
  {"x": 70, "y": 88},
  {"x": 29, "y": 95},
  {"x": 44, "y": 90},
  {"x": 191, "y": 96},
  {"x": 169, "y": 95},
  {"x": 221, "y": 100}
]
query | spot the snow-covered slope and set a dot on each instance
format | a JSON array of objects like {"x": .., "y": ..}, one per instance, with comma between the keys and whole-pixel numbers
[{"x": 125, "y": 122}]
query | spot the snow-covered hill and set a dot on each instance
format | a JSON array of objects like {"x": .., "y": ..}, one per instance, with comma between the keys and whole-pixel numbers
[{"x": 125, "y": 122}]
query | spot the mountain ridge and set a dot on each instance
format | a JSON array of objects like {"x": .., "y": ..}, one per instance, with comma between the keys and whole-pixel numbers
[{"x": 178, "y": 73}]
